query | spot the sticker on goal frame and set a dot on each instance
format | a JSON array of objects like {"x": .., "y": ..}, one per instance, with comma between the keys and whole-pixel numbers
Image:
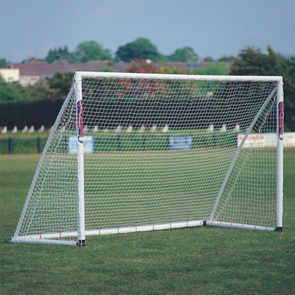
[
  {"x": 80, "y": 121},
  {"x": 88, "y": 145},
  {"x": 281, "y": 120}
]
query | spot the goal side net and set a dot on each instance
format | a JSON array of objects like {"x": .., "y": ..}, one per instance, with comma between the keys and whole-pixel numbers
[{"x": 138, "y": 152}]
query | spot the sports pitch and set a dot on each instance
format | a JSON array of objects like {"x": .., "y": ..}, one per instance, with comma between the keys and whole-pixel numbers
[{"x": 184, "y": 261}]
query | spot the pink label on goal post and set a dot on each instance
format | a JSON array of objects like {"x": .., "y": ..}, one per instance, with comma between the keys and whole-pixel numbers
[
  {"x": 80, "y": 121},
  {"x": 281, "y": 120}
]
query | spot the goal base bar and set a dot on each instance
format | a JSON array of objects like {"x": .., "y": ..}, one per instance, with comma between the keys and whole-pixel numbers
[
  {"x": 27, "y": 240},
  {"x": 47, "y": 238},
  {"x": 58, "y": 238},
  {"x": 221, "y": 223},
  {"x": 119, "y": 230}
]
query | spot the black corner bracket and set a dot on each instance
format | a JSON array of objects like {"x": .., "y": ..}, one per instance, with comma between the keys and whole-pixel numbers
[{"x": 80, "y": 243}]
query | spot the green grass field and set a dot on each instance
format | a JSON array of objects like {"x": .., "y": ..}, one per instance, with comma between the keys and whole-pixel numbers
[{"x": 185, "y": 261}]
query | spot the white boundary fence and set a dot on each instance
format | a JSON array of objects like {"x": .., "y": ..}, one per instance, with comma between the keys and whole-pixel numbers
[{"x": 266, "y": 140}]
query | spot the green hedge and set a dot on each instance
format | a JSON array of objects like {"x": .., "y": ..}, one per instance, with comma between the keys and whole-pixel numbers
[
  {"x": 161, "y": 142},
  {"x": 22, "y": 145},
  {"x": 20, "y": 114},
  {"x": 131, "y": 142},
  {"x": 135, "y": 113}
]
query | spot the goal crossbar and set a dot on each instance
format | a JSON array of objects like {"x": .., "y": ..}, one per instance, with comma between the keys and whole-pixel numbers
[{"x": 205, "y": 78}]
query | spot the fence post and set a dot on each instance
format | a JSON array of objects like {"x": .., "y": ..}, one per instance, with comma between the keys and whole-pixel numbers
[
  {"x": 214, "y": 140},
  {"x": 66, "y": 141},
  {"x": 10, "y": 145},
  {"x": 143, "y": 142},
  {"x": 119, "y": 142},
  {"x": 39, "y": 145}
]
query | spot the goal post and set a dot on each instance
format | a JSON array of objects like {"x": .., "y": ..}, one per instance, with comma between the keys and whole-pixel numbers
[
  {"x": 80, "y": 159},
  {"x": 140, "y": 152}
]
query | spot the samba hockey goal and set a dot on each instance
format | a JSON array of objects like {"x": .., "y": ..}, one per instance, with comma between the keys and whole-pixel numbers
[{"x": 137, "y": 152}]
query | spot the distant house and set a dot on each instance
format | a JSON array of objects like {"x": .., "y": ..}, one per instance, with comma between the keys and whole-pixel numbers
[
  {"x": 34, "y": 71},
  {"x": 10, "y": 75}
]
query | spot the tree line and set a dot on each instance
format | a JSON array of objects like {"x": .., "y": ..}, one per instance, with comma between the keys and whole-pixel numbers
[
  {"x": 141, "y": 48},
  {"x": 250, "y": 61}
]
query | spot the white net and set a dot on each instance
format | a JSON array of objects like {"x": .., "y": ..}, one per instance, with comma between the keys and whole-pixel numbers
[{"x": 156, "y": 151}]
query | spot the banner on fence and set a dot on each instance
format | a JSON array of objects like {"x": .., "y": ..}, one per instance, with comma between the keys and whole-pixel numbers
[
  {"x": 289, "y": 139},
  {"x": 180, "y": 142},
  {"x": 266, "y": 140},
  {"x": 88, "y": 144}
]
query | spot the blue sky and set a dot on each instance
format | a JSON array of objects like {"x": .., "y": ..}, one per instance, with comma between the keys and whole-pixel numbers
[{"x": 29, "y": 28}]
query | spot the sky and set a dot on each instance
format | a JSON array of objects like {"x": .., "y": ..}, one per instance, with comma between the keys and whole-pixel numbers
[{"x": 30, "y": 28}]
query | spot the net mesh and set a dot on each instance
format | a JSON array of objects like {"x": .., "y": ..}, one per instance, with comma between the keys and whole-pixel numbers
[{"x": 156, "y": 151}]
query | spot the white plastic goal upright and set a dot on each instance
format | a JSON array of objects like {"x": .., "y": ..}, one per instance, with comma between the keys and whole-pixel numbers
[{"x": 141, "y": 152}]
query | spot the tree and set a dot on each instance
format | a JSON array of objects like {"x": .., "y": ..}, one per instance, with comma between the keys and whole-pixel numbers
[
  {"x": 61, "y": 82},
  {"x": 141, "y": 49},
  {"x": 10, "y": 91},
  {"x": 59, "y": 53},
  {"x": 174, "y": 70},
  {"x": 141, "y": 66},
  {"x": 90, "y": 50},
  {"x": 107, "y": 69},
  {"x": 227, "y": 58},
  {"x": 183, "y": 55},
  {"x": 208, "y": 58},
  {"x": 4, "y": 63},
  {"x": 219, "y": 69},
  {"x": 13, "y": 92},
  {"x": 252, "y": 61},
  {"x": 38, "y": 92}
]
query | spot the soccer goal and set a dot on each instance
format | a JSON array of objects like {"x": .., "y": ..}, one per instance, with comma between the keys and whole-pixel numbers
[{"x": 141, "y": 152}]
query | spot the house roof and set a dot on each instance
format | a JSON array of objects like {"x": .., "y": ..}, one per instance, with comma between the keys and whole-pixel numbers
[{"x": 44, "y": 69}]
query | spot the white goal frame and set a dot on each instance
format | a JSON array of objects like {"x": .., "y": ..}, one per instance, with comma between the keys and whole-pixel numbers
[{"x": 82, "y": 232}]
